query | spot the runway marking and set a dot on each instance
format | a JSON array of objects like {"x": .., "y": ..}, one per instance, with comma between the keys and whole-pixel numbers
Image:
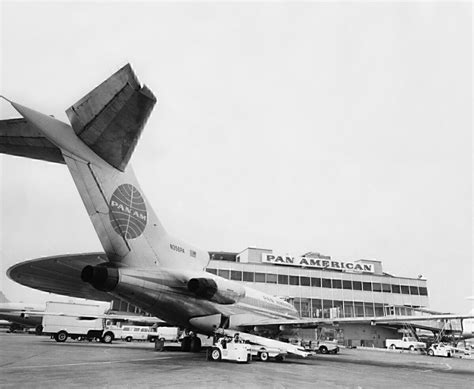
[{"x": 84, "y": 363}]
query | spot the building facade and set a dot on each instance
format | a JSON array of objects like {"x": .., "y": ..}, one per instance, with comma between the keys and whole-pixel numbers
[{"x": 320, "y": 287}]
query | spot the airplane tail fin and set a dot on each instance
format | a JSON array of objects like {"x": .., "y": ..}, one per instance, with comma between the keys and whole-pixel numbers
[
  {"x": 111, "y": 117},
  {"x": 106, "y": 125}
]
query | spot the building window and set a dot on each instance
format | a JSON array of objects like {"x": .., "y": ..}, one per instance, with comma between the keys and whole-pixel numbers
[
  {"x": 378, "y": 309},
  {"x": 386, "y": 288},
  {"x": 283, "y": 279},
  {"x": 348, "y": 309},
  {"x": 236, "y": 275},
  {"x": 294, "y": 280},
  {"x": 359, "y": 308},
  {"x": 367, "y": 286},
  {"x": 259, "y": 277},
  {"x": 305, "y": 281},
  {"x": 395, "y": 288},
  {"x": 376, "y": 287},
  {"x": 423, "y": 291},
  {"x": 316, "y": 282},
  {"x": 357, "y": 285},
  {"x": 338, "y": 310},
  {"x": 414, "y": 290},
  {"x": 212, "y": 271},
  {"x": 405, "y": 289},
  {"x": 224, "y": 273},
  {"x": 369, "y": 309},
  {"x": 346, "y": 284},
  {"x": 337, "y": 284},
  {"x": 326, "y": 282},
  {"x": 316, "y": 308},
  {"x": 327, "y": 305},
  {"x": 248, "y": 276},
  {"x": 272, "y": 278}
]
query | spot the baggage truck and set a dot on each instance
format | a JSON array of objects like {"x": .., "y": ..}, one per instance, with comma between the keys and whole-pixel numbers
[{"x": 76, "y": 321}]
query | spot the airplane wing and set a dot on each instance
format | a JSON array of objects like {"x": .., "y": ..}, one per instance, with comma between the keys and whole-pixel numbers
[
  {"x": 311, "y": 323},
  {"x": 18, "y": 137},
  {"x": 60, "y": 274}
]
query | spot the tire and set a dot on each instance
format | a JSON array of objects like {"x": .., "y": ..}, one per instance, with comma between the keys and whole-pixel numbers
[
  {"x": 411, "y": 348},
  {"x": 393, "y": 347},
  {"x": 431, "y": 353},
  {"x": 449, "y": 355},
  {"x": 39, "y": 330},
  {"x": 195, "y": 345},
  {"x": 186, "y": 344},
  {"x": 323, "y": 350},
  {"x": 263, "y": 356},
  {"x": 280, "y": 358},
  {"x": 61, "y": 336},
  {"x": 215, "y": 354},
  {"x": 128, "y": 338},
  {"x": 108, "y": 337}
]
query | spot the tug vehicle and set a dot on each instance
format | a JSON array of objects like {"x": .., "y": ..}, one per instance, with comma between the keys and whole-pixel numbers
[{"x": 229, "y": 349}]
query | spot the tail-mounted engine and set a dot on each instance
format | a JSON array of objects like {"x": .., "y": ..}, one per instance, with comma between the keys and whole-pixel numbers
[{"x": 216, "y": 290}]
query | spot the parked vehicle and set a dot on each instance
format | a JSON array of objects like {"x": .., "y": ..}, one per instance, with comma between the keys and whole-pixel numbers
[
  {"x": 406, "y": 343},
  {"x": 323, "y": 346},
  {"x": 130, "y": 333},
  {"x": 440, "y": 350},
  {"x": 226, "y": 348},
  {"x": 70, "y": 320},
  {"x": 165, "y": 334}
]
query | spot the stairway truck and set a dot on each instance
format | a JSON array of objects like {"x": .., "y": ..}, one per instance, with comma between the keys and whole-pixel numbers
[
  {"x": 76, "y": 321},
  {"x": 405, "y": 343}
]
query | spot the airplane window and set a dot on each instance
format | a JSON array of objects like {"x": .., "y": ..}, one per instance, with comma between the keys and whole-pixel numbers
[{"x": 283, "y": 279}]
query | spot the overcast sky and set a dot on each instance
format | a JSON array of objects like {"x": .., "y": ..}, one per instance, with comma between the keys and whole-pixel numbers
[{"x": 338, "y": 128}]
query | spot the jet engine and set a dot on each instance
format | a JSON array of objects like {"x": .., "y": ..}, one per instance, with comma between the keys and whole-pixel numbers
[
  {"x": 216, "y": 290},
  {"x": 101, "y": 277}
]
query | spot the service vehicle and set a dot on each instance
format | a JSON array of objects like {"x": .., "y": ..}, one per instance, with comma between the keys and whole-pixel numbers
[
  {"x": 263, "y": 353},
  {"x": 130, "y": 333},
  {"x": 63, "y": 320},
  {"x": 405, "y": 343},
  {"x": 165, "y": 334},
  {"x": 440, "y": 350},
  {"x": 323, "y": 346},
  {"x": 229, "y": 349}
]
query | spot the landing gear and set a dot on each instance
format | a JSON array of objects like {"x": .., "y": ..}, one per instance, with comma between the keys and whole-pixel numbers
[
  {"x": 186, "y": 344},
  {"x": 191, "y": 343},
  {"x": 39, "y": 330}
]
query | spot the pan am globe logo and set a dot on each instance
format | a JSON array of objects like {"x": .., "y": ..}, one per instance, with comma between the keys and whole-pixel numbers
[{"x": 127, "y": 211}]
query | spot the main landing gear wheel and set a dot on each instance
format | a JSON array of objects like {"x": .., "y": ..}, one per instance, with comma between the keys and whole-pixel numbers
[
  {"x": 195, "y": 345},
  {"x": 186, "y": 344}
]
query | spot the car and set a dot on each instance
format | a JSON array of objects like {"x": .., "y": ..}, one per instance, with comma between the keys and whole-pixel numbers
[
  {"x": 440, "y": 350},
  {"x": 130, "y": 333}
]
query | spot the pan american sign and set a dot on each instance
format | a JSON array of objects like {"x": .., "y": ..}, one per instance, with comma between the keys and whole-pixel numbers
[{"x": 316, "y": 263}]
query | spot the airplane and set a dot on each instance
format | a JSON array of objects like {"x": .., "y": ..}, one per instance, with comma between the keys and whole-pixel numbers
[
  {"x": 142, "y": 263},
  {"x": 20, "y": 315}
]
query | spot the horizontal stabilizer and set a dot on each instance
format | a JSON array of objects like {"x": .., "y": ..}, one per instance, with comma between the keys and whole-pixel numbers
[
  {"x": 111, "y": 118},
  {"x": 18, "y": 137}
]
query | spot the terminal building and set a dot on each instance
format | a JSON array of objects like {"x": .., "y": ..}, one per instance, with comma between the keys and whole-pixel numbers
[{"x": 321, "y": 287}]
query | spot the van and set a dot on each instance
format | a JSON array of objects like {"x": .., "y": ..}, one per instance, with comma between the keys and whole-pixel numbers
[{"x": 130, "y": 333}]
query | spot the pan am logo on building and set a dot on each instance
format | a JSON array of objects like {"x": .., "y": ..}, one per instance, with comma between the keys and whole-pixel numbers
[
  {"x": 316, "y": 263},
  {"x": 127, "y": 213}
]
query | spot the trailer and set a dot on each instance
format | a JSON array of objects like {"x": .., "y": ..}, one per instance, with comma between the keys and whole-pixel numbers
[{"x": 76, "y": 321}]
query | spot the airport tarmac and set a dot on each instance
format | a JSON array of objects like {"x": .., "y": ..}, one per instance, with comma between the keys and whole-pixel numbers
[{"x": 40, "y": 362}]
